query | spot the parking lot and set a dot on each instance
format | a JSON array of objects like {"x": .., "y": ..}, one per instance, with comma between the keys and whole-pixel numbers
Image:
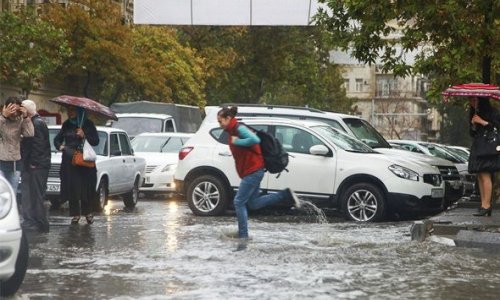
[{"x": 160, "y": 250}]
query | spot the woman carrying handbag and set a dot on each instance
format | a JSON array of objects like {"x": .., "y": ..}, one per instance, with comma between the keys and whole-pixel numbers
[
  {"x": 78, "y": 183},
  {"x": 484, "y": 126}
]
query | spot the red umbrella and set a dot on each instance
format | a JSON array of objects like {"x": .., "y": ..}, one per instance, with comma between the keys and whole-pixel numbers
[
  {"x": 90, "y": 105},
  {"x": 473, "y": 90}
]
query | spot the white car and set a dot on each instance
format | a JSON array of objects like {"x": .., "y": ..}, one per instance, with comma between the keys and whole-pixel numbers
[
  {"x": 441, "y": 151},
  {"x": 355, "y": 127},
  {"x": 326, "y": 166},
  {"x": 161, "y": 152},
  {"x": 119, "y": 171},
  {"x": 14, "y": 249}
]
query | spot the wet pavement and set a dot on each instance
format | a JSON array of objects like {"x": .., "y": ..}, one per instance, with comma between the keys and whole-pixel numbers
[{"x": 160, "y": 250}]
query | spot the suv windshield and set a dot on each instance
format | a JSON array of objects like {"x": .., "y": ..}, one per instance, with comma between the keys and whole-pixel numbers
[
  {"x": 136, "y": 125},
  {"x": 366, "y": 133},
  {"x": 341, "y": 140}
]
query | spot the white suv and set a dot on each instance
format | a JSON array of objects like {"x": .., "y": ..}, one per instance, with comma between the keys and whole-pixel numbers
[
  {"x": 357, "y": 128},
  {"x": 326, "y": 166},
  {"x": 14, "y": 252}
]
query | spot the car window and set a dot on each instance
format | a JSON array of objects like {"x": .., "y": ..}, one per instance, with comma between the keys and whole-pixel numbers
[
  {"x": 366, "y": 133},
  {"x": 124, "y": 144},
  {"x": 164, "y": 144},
  {"x": 342, "y": 140},
  {"x": 333, "y": 123},
  {"x": 223, "y": 137},
  {"x": 102, "y": 147},
  {"x": 114, "y": 146},
  {"x": 169, "y": 125},
  {"x": 411, "y": 148},
  {"x": 295, "y": 139},
  {"x": 442, "y": 153},
  {"x": 52, "y": 134}
]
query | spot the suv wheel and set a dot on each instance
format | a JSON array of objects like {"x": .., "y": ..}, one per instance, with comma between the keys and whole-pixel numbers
[
  {"x": 10, "y": 286},
  {"x": 363, "y": 202},
  {"x": 207, "y": 195}
]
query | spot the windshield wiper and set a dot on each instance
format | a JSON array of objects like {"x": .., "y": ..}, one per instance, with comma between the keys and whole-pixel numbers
[{"x": 164, "y": 144}]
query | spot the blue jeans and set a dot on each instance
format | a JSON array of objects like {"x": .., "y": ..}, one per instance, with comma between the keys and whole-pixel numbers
[{"x": 248, "y": 195}]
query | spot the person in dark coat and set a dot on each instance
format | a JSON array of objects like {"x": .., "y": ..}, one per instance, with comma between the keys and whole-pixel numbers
[
  {"x": 35, "y": 155},
  {"x": 78, "y": 184},
  {"x": 483, "y": 117}
]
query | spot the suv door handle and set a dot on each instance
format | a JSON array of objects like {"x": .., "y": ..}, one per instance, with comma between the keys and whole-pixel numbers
[{"x": 225, "y": 153}]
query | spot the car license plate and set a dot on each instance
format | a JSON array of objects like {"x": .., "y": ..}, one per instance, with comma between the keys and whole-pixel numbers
[
  {"x": 53, "y": 187},
  {"x": 437, "y": 193}
]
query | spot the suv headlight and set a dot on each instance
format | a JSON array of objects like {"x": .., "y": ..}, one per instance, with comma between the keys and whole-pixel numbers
[
  {"x": 404, "y": 172},
  {"x": 7, "y": 197}
]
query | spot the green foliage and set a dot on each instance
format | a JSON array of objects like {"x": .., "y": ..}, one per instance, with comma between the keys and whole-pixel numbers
[
  {"x": 452, "y": 37},
  {"x": 114, "y": 62},
  {"x": 273, "y": 65},
  {"x": 30, "y": 49}
]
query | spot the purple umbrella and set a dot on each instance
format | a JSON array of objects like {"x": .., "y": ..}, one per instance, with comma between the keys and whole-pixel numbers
[{"x": 89, "y": 105}]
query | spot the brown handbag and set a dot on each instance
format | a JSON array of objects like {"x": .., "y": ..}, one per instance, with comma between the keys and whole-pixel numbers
[{"x": 78, "y": 160}]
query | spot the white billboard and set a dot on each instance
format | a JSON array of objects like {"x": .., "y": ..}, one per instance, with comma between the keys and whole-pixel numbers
[{"x": 225, "y": 12}]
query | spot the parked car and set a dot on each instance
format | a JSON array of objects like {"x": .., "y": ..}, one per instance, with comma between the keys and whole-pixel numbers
[
  {"x": 160, "y": 150},
  {"x": 326, "y": 167},
  {"x": 119, "y": 171},
  {"x": 357, "y": 128},
  {"x": 463, "y": 152},
  {"x": 14, "y": 249},
  {"x": 146, "y": 116},
  {"x": 468, "y": 180}
]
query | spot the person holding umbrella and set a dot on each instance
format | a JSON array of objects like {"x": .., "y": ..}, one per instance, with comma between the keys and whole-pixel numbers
[
  {"x": 483, "y": 117},
  {"x": 78, "y": 183}
]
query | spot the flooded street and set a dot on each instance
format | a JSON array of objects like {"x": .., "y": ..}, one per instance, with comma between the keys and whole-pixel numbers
[{"x": 161, "y": 250}]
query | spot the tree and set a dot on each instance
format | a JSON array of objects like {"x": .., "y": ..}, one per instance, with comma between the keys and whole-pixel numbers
[
  {"x": 178, "y": 72},
  {"x": 30, "y": 49},
  {"x": 114, "y": 62},
  {"x": 457, "y": 41},
  {"x": 273, "y": 65}
]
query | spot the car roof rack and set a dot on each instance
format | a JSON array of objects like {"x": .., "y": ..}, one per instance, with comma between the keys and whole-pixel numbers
[{"x": 271, "y": 106}]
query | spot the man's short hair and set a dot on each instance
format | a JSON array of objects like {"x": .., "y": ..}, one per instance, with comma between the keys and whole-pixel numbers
[
  {"x": 30, "y": 106},
  {"x": 14, "y": 99}
]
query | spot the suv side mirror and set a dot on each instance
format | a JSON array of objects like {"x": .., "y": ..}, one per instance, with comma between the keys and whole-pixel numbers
[{"x": 321, "y": 150}]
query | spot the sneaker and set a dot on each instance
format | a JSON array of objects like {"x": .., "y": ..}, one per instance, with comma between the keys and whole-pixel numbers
[{"x": 294, "y": 198}]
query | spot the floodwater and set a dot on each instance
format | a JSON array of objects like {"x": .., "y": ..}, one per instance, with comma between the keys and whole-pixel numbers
[{"x": 160, "y": 250}]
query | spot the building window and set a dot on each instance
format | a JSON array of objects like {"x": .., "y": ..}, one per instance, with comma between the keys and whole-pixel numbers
[
  {"x": 346, "y": 84},
  {"x": 387, "y": 86},
  {"x": 359, "y": 85}
]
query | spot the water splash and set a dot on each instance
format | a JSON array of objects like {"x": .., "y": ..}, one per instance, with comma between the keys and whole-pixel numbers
[{"x": 313, "y": 210}]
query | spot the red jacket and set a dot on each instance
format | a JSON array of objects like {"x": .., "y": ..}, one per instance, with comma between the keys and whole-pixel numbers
[{"x": 247, "y": 159}]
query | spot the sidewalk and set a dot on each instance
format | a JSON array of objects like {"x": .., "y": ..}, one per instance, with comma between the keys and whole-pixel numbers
[{"x": 458, "y": 227}]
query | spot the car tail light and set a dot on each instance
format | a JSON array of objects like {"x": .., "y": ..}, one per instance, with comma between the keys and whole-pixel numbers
[{"x": 184, "y": 152}]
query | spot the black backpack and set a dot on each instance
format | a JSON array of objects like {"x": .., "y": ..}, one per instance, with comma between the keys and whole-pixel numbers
[{"x": 275, "y": 156}]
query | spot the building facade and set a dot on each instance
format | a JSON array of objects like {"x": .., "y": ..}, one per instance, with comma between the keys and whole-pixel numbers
[{"x": 395, "y": 106}]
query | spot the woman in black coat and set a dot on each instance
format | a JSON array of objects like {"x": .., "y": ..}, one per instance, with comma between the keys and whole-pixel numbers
[
  {"x": 78, "y": 184},
  {"x": 483, "y": 117}
]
